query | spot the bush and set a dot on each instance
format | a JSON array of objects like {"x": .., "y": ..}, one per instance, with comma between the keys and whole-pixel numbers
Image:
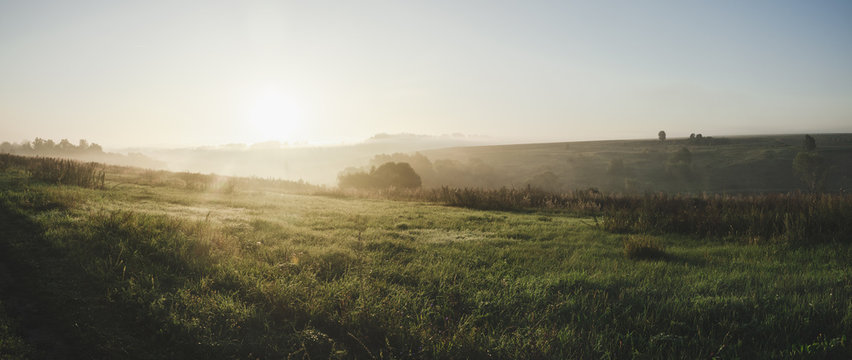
[{"x": 388, "y": 175}]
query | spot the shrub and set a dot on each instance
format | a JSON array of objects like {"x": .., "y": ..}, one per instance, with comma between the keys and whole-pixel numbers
[{"x": 388, "y": 175}]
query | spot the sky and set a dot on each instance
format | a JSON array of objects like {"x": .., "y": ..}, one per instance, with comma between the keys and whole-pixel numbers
[{"x": 191, "y": 73}]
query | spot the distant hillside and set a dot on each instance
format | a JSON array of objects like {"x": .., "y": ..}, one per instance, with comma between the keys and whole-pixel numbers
[
  {"x": 731, "y": 164},
  {"x": 316, "y": 164}
]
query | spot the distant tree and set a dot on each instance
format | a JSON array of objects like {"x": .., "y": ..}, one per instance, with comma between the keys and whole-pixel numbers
[
  {"x": 692, "y": 137},
  {"x": 809, "y": 144},
  {"x": 419, "y": 162},
  {"x": 698, "y": 137},
  {"x": 811, "y": 168},
  {"x": 39, "y": 144},
  {"x": 65, "y": 145},
  {"x": 661, "y": 135},
  {"x": 96, "y": 148},
  {"x": 6, "y": 147},
  {"x": 391, "y": 174},
  {"x": 84, "y": 145},
  {"x": 399, "y": 175}
]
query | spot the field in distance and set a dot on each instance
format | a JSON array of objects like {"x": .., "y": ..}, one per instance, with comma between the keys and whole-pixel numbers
[
  {"x": 142, "y": 264},
  {"x": 744, "y": 164}
]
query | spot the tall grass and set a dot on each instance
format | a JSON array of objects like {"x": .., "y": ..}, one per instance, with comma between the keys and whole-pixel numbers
[
  {"x": 795, "y": 218},
  {"x": 57, "y": 171},
  {"x": 312, "y": 277},
  {"x": 583, "y": 201},
  {"x": 93, "y": 175}
]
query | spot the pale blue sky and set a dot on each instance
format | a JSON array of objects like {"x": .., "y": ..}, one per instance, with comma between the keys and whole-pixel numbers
[{"x": 213, "y": 72}]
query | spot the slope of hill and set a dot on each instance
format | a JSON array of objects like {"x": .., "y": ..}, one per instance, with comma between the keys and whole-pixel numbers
[
  {"x": 149, "y": 267},
  {"x": 735, "y": 164}
]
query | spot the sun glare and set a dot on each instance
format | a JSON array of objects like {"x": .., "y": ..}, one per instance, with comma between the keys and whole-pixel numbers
[{"x": 272, "y": 115}]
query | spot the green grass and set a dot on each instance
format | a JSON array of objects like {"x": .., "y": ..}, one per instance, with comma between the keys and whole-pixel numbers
[
  {"x": 12, "y": 346},
  {"x": 144, "y": 271},
  {"x": 643, "y": 248}
]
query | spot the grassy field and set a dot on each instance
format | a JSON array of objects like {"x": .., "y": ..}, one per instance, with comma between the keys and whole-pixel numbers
[
  {"x": 149, "y": 265},
  {"x": 745, "y": 164}
]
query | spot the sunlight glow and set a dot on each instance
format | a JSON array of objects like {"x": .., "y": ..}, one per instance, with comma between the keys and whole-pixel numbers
[{"x": 272, "y": 115}]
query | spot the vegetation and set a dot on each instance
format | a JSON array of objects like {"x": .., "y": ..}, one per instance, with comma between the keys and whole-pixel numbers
[
  {"x": 643, "y": 248},
  {"x": 147, "y": 268},
  {"x": 41, "y": 146},
  {"x": 796, "y": 218},
  {"x": 719, "y": 165},
  {"x": 387, "y": 175},
  {"x": 84, "y": 151},
  {"x": 57, "y": 171},
  {"x": 810, "y": 166},
  {"x": 809, "y": 144}
]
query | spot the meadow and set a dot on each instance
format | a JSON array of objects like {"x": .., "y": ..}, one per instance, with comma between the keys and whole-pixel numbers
[
  {"x": 152, "y": 264},
  {"x": 718, "y": 165}
]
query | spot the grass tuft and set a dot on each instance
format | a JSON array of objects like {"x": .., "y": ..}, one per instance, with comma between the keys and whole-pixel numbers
[{"x": 643, "y": 247}]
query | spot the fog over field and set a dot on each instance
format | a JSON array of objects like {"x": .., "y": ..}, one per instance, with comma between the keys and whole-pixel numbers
[
  {"x": 312, "y": 163},
  {"x": 425, "y": 179}
]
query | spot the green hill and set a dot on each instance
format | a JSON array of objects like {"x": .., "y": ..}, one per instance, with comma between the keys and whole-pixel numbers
[{"x": 721, "y": 165}]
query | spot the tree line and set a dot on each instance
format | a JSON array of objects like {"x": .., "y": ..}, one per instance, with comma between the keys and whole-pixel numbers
[{"x": 41, "y": 146}]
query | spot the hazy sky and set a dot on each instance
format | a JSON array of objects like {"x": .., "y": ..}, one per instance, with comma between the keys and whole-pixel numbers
[{"x": 125, "y": 73}]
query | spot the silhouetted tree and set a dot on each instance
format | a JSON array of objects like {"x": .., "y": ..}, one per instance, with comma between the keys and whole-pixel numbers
[
  {"x": 419, "y": 162},
  {"x": 399, "y": 175},
  {"x": 661, "y": 135},
  {"x": 39, "y": 144},
  {"x": 65, "y": 145},
  {"x": 809, "y": 144},
  {"x": 391, "y": 174}
]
